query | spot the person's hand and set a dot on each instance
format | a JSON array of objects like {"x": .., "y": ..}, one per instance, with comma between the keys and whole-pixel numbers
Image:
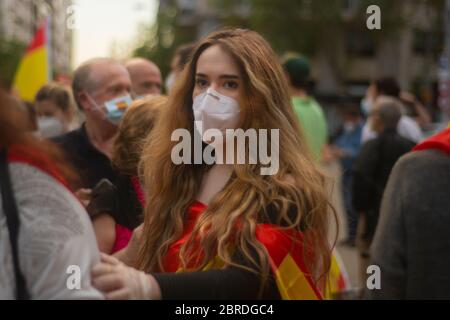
[
  {"x": 339, "y": 153},
  {"x": 327, "y": 154},
  {"x": 333, "y": 153},
  {"x": 129, "y": 254},
  {"x": 119, "y": 282},
  {"x": 408, "y": 97},
  {"x": 84, "y": 195}
]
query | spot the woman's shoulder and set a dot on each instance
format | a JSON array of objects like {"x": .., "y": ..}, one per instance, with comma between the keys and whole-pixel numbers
[
  {"x": 36, "y": 189},
  {"x": 36, "y": 158},
  {"x": 56, "y": 232},
  {"x": 40, "y": 190}
]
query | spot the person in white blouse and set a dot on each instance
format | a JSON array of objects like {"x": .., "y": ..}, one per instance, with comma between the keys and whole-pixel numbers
[
  {"x": 408, "y": 128},
  {"x": 56, "y": 243}
]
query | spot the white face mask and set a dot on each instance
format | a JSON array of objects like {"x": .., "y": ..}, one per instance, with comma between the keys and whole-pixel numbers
[
  {"x": 49, "y": 127},
  {"x": 349, "y": 126},
  {"x": 216, "y": 111},
  {"x": 366, "y": 105}
]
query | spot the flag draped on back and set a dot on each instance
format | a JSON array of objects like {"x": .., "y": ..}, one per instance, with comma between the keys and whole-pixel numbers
[
  {"x": 34, "y": 68},
  {"x": 286, "y": 258}
]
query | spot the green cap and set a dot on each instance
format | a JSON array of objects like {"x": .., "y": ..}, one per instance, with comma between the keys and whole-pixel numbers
[{"x": 298, "y": 68}]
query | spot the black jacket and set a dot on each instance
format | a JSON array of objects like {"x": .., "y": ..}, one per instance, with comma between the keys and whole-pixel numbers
[
  {"x": 90, "y": 164},
  {"x": 371, "y": 171},
  {"x": 119, "y": 200}
]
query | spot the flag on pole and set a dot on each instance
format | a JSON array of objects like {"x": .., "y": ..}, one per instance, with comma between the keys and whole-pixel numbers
[{"x": 34, "y": 69}]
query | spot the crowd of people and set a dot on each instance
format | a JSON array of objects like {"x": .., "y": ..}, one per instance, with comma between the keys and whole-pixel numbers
[{"x": 87, "y": 180}]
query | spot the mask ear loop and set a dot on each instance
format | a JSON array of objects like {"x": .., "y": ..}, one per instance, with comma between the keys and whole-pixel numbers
[{"x": 97, "y": 107}]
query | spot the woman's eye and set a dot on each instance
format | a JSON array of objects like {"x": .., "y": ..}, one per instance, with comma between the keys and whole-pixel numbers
[
  {"x": 201, "y": 83},
  {"x": 230, "y": 85}
]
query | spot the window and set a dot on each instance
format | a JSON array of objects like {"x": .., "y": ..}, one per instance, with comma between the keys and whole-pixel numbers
[
  {"x": 359, "y": 43},
  {"x": 427, "y": 41}
]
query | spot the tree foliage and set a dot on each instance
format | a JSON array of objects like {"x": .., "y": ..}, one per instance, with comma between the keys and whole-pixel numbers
[
  {"x": 307, "y": 26},
  {"x": 159, "y": 41},
  {"x": 11, "y": 52}
]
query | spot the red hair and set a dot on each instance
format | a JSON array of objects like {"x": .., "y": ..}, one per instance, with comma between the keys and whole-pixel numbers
[{"x": 14, "y": 132}]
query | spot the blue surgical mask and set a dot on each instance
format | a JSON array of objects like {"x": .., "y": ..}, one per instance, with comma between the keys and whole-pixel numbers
[{"x": 115, "y": 108}]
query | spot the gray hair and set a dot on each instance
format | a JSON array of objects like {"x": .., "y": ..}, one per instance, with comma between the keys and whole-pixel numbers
[
  {"x": 82, "y": 77},
  {"x": 389, "y": 110}
]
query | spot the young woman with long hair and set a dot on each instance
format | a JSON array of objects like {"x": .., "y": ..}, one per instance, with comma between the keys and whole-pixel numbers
[{"x": 225, "y": 230}]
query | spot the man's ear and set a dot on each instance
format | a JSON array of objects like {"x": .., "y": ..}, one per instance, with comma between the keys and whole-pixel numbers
[{"x": 84, "y": 101}]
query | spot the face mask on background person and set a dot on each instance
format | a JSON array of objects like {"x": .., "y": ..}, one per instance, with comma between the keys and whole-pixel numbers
[
  {"x": 140, "y": 97},
  {"x": 349, "y": 126},
  {"x": 115, "y": 108},
  {"x": 216, "y": 111},
  {"x": 49, "y": 127}
]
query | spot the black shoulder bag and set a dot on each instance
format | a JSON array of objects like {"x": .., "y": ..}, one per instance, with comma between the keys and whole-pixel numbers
[{"x": 13, "y": 223}]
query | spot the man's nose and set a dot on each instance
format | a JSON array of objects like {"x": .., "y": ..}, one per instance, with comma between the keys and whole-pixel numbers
[
  {"x": 124, "y": 92},
  {"x": 155, "y": 90}
]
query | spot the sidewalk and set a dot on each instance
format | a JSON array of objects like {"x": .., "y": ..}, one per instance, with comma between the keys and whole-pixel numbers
[{"x": 349, "y": 255}]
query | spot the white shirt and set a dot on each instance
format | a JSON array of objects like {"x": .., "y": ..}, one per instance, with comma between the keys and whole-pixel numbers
[
  {"x": 55, "y": 233},
  {"x": 407, "y": 128}
]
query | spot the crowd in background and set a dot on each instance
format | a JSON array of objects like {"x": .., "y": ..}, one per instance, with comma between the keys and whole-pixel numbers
[{"x": 84, "y": 164}]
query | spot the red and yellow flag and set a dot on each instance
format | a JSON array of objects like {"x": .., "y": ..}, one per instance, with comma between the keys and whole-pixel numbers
[
  {"x": 34, "y": 68},
  {"x": 285, "y": 249}
]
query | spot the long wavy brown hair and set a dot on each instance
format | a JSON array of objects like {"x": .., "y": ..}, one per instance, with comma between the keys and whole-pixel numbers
[
  {"x": 135, "y": 126},
  {"x": 171, "y": 188}
]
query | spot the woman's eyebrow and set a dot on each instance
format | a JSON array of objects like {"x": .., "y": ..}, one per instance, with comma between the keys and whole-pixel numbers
[
  {"x": 223, "y": 76},
  {"x": 229, "y": 76}
]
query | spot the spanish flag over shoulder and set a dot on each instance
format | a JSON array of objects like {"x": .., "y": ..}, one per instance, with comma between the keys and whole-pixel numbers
[
  {"x": 34, "y": 69},
  {"x": 440, "y": 141},
  {"x": 285, "y": 250}
]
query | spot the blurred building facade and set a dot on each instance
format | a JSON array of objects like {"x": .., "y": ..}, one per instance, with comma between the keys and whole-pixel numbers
[
  {"x": 19, "y": 21},
  {"x": 410, "y": 56}
]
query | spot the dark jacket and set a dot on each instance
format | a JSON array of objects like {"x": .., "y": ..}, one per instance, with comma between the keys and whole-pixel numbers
[
  {"x": 119, "y": 200},
  {"x": 412, "y": 241},
  {"x": 371, "y": 171},
  {"x": 90, "y": 164}
]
